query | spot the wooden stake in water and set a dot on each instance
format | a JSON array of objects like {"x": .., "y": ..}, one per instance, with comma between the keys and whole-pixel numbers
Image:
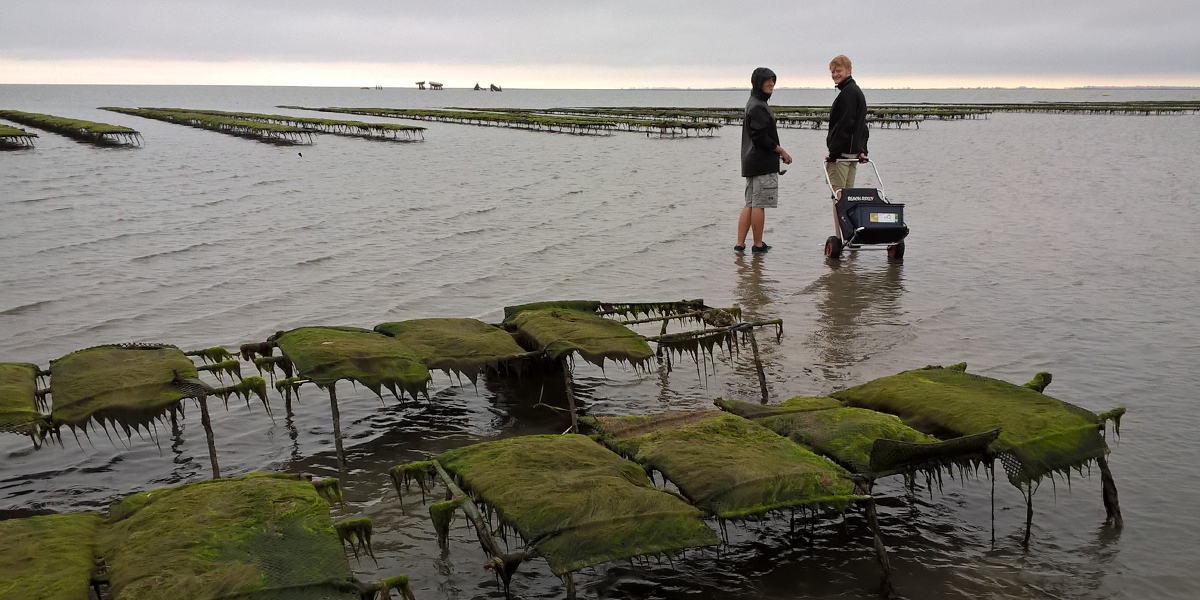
[
  {"x": 212, "y": 445},
  {"x": 503, "y": 563},
  {"x": 762, "y": 376},
  {"x": 1112, "y": 507},
  {"x": 885, "y": 565},
  {"x": 570, "y": 396},
  {"x": 337, "y": 427}
]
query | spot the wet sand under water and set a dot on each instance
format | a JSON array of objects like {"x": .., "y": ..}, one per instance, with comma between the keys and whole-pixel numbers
[{"x": 1040, "y": 242}]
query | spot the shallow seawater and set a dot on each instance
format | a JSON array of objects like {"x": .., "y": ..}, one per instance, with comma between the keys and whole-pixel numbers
[{"x": 1063, "y": 243}]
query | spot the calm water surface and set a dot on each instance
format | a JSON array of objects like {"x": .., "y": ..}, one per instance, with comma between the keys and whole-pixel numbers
[{"x": 1063, "y": 243}]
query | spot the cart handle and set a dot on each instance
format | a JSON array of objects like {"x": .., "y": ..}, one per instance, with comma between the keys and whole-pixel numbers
[{"x": 882, "y": 192}]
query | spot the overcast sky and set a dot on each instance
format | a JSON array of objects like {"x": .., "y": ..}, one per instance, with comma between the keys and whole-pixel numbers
[{"x": 647, "y": 43}]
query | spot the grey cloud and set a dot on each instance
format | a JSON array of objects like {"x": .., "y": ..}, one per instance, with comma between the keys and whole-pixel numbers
[{"x": 921, "y": 37}]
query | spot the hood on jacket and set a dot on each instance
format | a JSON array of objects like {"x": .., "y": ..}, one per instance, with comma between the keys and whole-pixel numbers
[{"x": 760, "y": 76}]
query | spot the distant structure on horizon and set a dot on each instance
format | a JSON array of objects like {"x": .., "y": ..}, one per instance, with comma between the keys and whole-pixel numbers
[
  {"x": 420, "y": 85},
  {"x": 433, "y": 85}
]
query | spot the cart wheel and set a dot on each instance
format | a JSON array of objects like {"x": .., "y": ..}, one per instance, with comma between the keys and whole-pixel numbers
[
  {"x": 833, "y": 247},
  {"x": 896, "y": 252}
]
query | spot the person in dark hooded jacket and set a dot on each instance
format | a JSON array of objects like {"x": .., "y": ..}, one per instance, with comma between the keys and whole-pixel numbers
[{"x": 761, "y": 154}]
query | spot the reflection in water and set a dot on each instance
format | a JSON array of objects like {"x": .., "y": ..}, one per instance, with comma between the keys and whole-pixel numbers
[
  {"x": 753, "y": 292},
  {"x": 857, "y": 302}
]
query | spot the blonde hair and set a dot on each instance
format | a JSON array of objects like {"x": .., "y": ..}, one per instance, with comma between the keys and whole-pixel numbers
[{"x": 840, "y": 61}]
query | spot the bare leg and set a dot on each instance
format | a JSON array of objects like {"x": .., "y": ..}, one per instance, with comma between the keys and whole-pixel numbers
[
  {"x": 743, "y": 225},
  {"x": 758, "y": 217},
  {"x": 837, "y": 226}
]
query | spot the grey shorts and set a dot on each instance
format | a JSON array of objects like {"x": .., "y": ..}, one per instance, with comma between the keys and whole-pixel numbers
[{"x": 762, "y": 191}]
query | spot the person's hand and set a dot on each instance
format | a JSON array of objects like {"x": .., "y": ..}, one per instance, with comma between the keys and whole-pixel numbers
[
  {"x": 862, "y": 158},
  {"x": 787, "y": 158},
  {"x": 830, "y": 159}
]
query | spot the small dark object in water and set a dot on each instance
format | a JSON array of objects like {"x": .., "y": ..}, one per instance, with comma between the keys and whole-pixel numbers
[{"x": 495, "y": 88}]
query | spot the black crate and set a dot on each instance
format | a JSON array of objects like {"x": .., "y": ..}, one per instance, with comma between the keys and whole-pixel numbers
[{"x": 875, "y": 215}]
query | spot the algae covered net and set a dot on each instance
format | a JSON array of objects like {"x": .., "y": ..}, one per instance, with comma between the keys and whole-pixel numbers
[
  {"x": 19, "y": 400},
  {"x": 464, "y": 346},
  {"x": 1039, "y": 435},
  {"x": 127, "y": 384},
  {"x": 259, "y": 537},
  {"x": 560, "y": 332},
  {"x": 48, "y": 557},
  {"x": 867, "y": 442},
  {"x": 574, "y": 502},
  {"x": 727, "y": 465},
  {"x": 325, "y": 355}
]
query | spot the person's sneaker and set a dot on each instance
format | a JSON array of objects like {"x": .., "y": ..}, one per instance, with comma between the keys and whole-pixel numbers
[
  {"x": 763, "y": 248},
  {"x": 739, "y": 249}
]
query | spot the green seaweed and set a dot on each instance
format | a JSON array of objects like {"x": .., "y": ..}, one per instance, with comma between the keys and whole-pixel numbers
[
  {"x": 330, "y": 488},
  {"x": 270, "y": 363},
  {"x": 326, "y": 355},
  {"x": 290, "y": 386},
  {"x": 587, "y": 306},
  {"x": 250, "y": 351},
  {"x": 755, "y": 410},
  {"x": 1039, "y": 381},
  {"x": 356, "y": 533},
  {"x": 127, "y": 384},
  {"x": 845, "y": 435},
  {"x": 89, "y": 131},
  {"x": 560, "y": 332},
  {"x": 269, "y": 132},
  {"x": 257, "y": 537},
  {"x": 47, "y": 557},
  {"x": 399, "y": 583},
  {"x": 442, "y": 514},
  {"x": 232, "y": 368},
  {"x": 1042, "y": 435},
  {"x": 215, "y": 354},
  {"x": 729, "y": 466},
  {"x": 19, "y": 399},
  {"x": 243, "y": 389},
  {"x": 464, "y": 346},
  {"x": 575, "y": 502},
  {"x": 421, "y": 472}
]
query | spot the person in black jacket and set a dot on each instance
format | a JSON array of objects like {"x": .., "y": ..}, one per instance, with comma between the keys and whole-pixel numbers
[
  {"x": 847, "y": 137},
  {"x": 761, "y": 153}
]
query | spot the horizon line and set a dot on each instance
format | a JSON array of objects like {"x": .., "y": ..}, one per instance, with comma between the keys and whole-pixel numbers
[{"x": 629, "y": 88}]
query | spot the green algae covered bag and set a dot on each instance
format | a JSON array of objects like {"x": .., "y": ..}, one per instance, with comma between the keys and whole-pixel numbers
[
  {"x": 574, "y": 501},
  {"x": 1039, "y": 434},
  {"x": 47, "y": 558},
  {"x": 258, "y": 537},
  {"x": 727, "y": 465}
]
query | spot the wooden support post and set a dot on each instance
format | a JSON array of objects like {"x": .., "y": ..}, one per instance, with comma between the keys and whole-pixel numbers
[
  {"x": 1028, "y": 513},
  {"x": 993, "y": 472},
  {"x": 762, "y": 376},
  {"x": 570, "y": 396},
  {"x": 1112, "y": 507},
  {"x": 885, "y": 566},
  {"x": 212, "y": 445},
  {"x": 504, "y": 564},
  {"x": 569, "y": 583},
  {"x": 337, "y": 427}
]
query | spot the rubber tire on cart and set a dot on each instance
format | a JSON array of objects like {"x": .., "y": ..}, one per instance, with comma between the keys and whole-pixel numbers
[
  {"x": 833, "y": 247},
  {"x": 896, "y": 251}
]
